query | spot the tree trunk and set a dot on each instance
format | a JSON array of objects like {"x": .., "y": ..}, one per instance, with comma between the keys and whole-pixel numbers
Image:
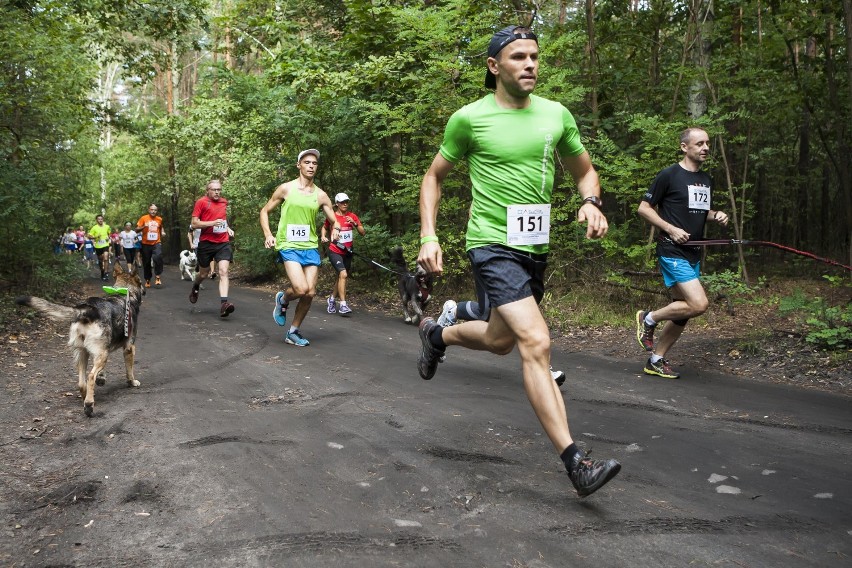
[
  {"x": 802, "y": 169},
  {"x": 593, "y": 62},
  {"x": 841, "y": 125},
  {"x": 701, "y": 14}
]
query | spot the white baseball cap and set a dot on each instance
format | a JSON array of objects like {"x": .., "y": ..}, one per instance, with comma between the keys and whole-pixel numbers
[
  {"x": 308, "y": 151},
  {"x": 340, "y": 197}
]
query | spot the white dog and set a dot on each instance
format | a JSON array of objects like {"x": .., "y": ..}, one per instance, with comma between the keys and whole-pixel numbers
[{"x": 188, "y": 265}]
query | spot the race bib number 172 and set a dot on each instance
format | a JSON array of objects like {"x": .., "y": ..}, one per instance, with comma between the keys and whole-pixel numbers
[{"x": 699, "y": 197}]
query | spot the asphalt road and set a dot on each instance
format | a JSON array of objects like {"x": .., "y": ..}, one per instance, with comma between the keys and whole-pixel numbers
[{"x": 239, "y": 450}]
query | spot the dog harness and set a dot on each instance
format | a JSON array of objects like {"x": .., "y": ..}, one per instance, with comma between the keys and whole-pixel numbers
[{"x": 128, "y": 316}]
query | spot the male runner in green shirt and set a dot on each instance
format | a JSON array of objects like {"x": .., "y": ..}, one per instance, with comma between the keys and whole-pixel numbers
[
  {"x": 100, "y": 238},
  {"x": 296, "y": 242},
  {"x": 508, "y": 139}
]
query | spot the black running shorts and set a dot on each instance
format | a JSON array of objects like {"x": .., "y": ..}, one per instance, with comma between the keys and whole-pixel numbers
[
  {"x": 504, "y": 275},
  {"x": 207, "y": 252},
  {"x": 340, "y": 262}
]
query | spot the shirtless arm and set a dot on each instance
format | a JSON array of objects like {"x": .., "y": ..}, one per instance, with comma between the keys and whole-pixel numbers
[
  {"x": 325, "y": 204},
  {"x": 278, "y": 197}
]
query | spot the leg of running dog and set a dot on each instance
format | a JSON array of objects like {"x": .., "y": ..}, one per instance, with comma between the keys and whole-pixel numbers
[
  {"x": 100, "y": 359},
  {"x": 129, "y": 356},
  {"x": 403, "y": 298},
  {"x": 81, "y": 361},
  {"x": 418, "y": 313}
]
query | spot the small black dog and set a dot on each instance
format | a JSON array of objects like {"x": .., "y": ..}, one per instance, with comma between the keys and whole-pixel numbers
[{"x": 415, "y": 290}]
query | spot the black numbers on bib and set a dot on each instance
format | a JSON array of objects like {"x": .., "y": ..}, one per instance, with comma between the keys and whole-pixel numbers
[{"x": 530, "y": 224}]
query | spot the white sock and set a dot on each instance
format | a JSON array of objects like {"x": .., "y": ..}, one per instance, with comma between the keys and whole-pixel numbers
[
  {"x": 655, "y": 358},
  {"x": 342, "y": 302},
  {"x": 649, "y": 321},
  {"x": 293, "y": 328}
]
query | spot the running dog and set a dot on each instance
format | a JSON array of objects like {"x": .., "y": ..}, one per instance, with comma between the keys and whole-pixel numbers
[
  {"x": 188, "y": 265},
  {"x": 98, "y": 326},
  {"x": 415, "y": 289}
]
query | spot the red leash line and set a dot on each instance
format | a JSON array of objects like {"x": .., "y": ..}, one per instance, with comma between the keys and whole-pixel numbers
[{"x": 711, "y": 242}]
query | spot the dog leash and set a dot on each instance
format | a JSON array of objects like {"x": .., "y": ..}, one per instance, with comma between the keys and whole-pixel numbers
[
  {"x": 370, "y": 260},
  {"x": 806, "y": 254}
]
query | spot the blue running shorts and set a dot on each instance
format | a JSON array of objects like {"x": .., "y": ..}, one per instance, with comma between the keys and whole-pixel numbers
[
  {"x": 306, "y": 257},
  {"x": 678, "y": 270}
]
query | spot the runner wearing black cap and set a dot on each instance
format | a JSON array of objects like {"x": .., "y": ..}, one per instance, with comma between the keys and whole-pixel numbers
[{"x": 508, "y": 139}]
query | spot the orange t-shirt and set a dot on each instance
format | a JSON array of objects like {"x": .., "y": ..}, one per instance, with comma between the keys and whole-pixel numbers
[{"x": 152, "y": 229}]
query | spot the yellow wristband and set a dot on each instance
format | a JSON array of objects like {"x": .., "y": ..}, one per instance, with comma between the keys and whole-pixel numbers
[{"x": 429, "y": 239}]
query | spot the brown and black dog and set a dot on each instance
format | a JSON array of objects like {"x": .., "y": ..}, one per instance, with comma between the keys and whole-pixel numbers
[
  {"x": 99, "y": 325},
  {"x": 415, "y": 289}
]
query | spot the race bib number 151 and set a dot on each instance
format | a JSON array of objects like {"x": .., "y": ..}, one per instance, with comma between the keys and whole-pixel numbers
[{"x": 528, "y": 224}]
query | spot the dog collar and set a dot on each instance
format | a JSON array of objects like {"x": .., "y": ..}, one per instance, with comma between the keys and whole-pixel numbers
[{"x": 113, "y": 291}]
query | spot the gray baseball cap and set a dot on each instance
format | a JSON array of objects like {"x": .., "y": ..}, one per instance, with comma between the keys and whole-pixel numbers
[{"x": 313, "y": 151}]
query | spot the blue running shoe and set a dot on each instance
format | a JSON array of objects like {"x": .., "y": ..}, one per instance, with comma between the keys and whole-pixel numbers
[
  {"x": 279, "y": 314},
  {"x": 295, "y": 338}
]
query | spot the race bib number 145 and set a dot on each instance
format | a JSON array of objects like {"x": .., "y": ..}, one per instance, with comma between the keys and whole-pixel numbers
[{"x": 298, "y": 233}]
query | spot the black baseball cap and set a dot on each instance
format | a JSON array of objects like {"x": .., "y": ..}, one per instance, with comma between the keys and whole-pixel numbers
[{"x": 500, "y": 40}]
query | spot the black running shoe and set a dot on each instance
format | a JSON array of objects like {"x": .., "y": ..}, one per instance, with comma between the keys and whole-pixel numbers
[
  {"x": 430, "y": 355},
  {"x": 226, "y": 309},
  {"x": 644, "y": 332},
  {"x": 588, "y": 475}
]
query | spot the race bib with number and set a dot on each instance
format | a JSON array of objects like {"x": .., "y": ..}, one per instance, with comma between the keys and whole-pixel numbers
[
  {"x": 528, "y": 224},
  {"x": 699, "y": 197},
  {"x": 152, "y": 235},
  {"x": 222, "y": 229},
  {"x": 298, "y": 233},
  {"x": 345, "y": 237}
]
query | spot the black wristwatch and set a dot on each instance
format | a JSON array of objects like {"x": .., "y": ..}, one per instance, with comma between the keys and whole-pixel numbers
[{"x": 594, "y": 200}]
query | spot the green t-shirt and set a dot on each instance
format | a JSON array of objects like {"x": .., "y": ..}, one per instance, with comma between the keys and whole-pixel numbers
[
  {"x": 100, "y": 234},
  {"x": 511, "y": 161},
  {"x": 297, "y": 228}
]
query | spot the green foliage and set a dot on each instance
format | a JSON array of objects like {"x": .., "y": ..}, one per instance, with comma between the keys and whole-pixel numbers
[
  {"x": 725, "y": 282},
  {"x": 372, "y": 83},
  {"x": 828, "y": 327},
  {"x": 47, "y": 137}
]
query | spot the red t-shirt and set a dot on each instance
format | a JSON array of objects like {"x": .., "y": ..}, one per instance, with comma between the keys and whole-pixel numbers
[
  {"x": 347, "y": 232},
  {"x": 207, "y": 209}
]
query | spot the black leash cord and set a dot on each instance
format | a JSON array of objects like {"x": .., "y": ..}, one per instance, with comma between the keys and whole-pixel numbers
[{"x": 370, "y": 260}]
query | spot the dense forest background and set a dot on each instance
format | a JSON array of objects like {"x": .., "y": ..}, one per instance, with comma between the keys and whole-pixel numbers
[{"x": 108, "y": 105}]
